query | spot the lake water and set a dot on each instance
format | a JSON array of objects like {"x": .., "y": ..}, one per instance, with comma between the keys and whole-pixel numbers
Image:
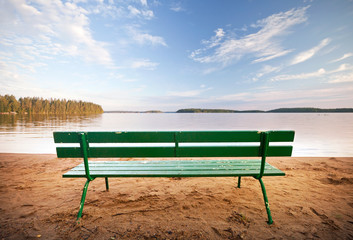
[{"x": 317, "y": 134}]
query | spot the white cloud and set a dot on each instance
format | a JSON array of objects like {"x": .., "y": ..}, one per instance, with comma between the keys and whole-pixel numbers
[
  {"x": 144, "y": 64},
  {"x": 215, "y": 40},
  {"x": 347, "y": 55},
  {"x": 342, "y": 67},
  {"x": 303, "y": 56},
  {"x": 219, "y": 33},
  {"x": 107, "y": 9},
  {"x": 342, "y": 78},
  {"x": 265, "y": 44},
  {"x": 176, "y": 7},
  {"x": 148, "y": 14},
  {"x": 145, "y": 38},
  {"x": 144, "y": 2},
  {"x": 319, "y": 73},
  {"x": 267, "y": 69},
  {"x": 279, "y": 54},
  {"x": 134, "y": 11},
  {"x": 51, "y": 28}
]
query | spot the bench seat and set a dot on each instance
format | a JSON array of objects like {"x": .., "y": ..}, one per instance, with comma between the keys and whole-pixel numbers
[{"x": 174, "y": 168}]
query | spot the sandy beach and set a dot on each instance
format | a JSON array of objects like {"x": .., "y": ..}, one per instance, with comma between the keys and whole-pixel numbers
[{"x": 313, "y": 201}]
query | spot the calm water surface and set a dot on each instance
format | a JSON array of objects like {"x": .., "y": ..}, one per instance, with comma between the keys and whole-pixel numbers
[{"x": 329, "y": 135}]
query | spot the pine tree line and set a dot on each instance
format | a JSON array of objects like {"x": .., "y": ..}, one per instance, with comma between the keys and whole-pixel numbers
[{"x": 35, "y": 105}]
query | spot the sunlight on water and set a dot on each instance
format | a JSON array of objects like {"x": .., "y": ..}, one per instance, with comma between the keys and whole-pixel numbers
[{"x": 329, "y": 135}]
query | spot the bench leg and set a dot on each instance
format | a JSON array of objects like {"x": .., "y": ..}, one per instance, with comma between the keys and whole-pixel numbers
[
  {"x": 267, "y": 205},
  {"x": 239, "y": 179},
  {"x": 106, "y": 184},
  {"x": 84, "y": 192}
]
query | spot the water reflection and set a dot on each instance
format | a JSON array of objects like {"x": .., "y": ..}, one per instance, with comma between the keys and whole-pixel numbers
[
  {"x": 34, "y": 133},
  {"x": 19, "y": 123}
]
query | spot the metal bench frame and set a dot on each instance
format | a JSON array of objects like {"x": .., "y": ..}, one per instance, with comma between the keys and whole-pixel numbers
[{"x": 177, "y": 168}]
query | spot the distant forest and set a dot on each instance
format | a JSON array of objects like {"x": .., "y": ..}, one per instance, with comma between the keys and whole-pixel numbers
[
  {"x": 319, "y": 110},
  {"x": 35, "y": 105},
  {"x": 202, "y": 110},
  {"x": 279, "y": 110}
]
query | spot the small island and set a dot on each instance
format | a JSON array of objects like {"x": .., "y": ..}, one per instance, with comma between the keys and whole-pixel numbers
[
  {"x": 34, "y": 105},
  {"x": 310, "y": 110}
]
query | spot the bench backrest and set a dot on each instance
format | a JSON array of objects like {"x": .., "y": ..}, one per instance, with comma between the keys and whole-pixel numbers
[{"x": 174, "y": 144}]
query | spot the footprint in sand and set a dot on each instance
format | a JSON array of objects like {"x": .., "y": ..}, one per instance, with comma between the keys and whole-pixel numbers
[
  {"x": 325, "y": 220},
  {"x": 337, "y": 181}
]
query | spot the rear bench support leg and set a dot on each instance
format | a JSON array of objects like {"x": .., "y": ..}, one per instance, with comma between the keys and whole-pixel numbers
[
  {"x": 239, "y": 179},
  {"x": 267, "y": 205},
  {"x": 84, "y": 192},
  {"x": 106, "y": 184}
]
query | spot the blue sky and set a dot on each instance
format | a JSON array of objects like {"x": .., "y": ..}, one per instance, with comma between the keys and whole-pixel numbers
[{"x": 167, "y": 55}]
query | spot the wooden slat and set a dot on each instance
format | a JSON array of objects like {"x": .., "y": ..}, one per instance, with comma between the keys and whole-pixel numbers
[
  {"x": 225, "y": 173},
  {"x": 130, "y": 137},
  {"x": 281, "y": 136},
  {"x": 66, "y": 137},
  {"x": 116, "y": 137},
  {"x": 279, "y": 151},
  {"x": 185, "y": 161},
  {"x": 155, "y": 137},
  {"x": 168, "y": 137},
  {"x": 218, "y": 136},
  {"x": 69, "y": 152},
  {"x": 138, "y": 152},
  {"x": 228, "y": 151},
  {"x": 123, "y": 152}
]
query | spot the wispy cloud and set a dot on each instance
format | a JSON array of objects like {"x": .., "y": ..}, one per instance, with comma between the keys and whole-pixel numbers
[
  {"x": 276, "y": 55},
  {"x": 267, "y": 69},
  {"x": 342, "y": 78},
  {"x": 347, "y": 55},
  {"x": 283, "y": 77},
  {"x": 145, "y": 38},
  {"x": 319, "y": 73},
  {"x": 306, "y": 55},
  {"x": 144, "y": 2},
  {"x": 177, "y": 7},
  {"x": 264, "y": 45},
  {"x": 144, "y": 64},
  {"x": 145, "y": 13}
]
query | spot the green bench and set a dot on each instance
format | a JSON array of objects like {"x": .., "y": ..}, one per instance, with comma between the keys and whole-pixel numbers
[{"x": 178, "y": 144}]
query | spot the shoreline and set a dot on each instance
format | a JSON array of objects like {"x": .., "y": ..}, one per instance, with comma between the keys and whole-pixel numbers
[{"x": 313, "y": 200}]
